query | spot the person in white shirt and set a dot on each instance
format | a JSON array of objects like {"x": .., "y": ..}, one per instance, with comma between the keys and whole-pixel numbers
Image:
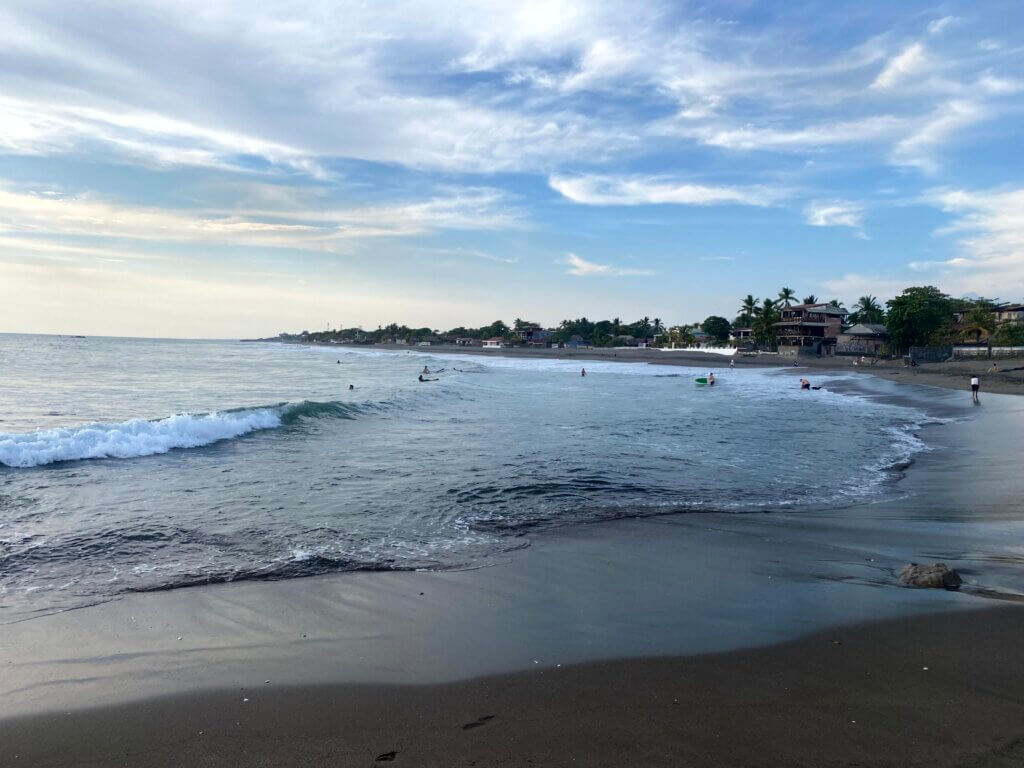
[{"x": 975, "y": 386}]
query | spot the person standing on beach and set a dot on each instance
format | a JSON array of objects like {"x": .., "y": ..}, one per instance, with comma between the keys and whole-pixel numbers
[{"x": 975, "y": 386}]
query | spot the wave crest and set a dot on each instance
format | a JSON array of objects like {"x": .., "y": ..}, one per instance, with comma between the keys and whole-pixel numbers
[{"x": 141, "y": 437}]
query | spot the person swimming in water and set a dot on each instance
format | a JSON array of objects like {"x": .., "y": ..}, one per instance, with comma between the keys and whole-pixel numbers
[
  {"x": 351, "y": 386},
  {"x": 425, "y": 370},
  {"x": 711, "y": 379},
  {"x": 805, "y": 384},
  {"x": 583, "y": 372}
]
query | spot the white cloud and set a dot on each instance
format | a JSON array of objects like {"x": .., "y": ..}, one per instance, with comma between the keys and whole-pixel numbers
[
  {"x": 26, "y": 214},
  {"x": 802, "y": 138},
  {"x": 917, "y": 148},
  {"x": 936, "y": 26},
  {"x": 836, "y": 213},
  {"x": 989, "y": 227},
  {"x": 910, "y": 61},
  {"x": 851, "y": 286},
  {"x": 583, "y": 268},
  {"x": 654, "y": 190}
]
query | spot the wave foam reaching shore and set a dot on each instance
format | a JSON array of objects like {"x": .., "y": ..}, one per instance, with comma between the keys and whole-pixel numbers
[{"x": 141, "y": 437}]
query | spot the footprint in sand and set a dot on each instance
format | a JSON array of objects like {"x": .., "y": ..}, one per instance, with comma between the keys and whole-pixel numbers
[{"x": 478, "y": 722}]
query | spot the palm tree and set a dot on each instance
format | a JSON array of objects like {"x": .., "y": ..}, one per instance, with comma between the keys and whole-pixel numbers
[
  {"x": 786, "y": 296},
  {"x": 658, "y": 327},
  {"x": 868, "y": 310},
  {"x": 765, "y": 318},
  {"x": 978, "y": 321},
  {"x": 617, "y": 326},
  {"x": 812, "y": 299},
  {"x": 747, "y": 309}
]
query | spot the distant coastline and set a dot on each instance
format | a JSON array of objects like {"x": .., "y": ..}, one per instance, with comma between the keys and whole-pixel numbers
[{"x": 1007, "y": 380}]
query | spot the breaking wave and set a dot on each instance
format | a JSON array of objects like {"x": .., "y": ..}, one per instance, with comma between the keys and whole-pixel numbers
[{"x": 141, "y": 437}]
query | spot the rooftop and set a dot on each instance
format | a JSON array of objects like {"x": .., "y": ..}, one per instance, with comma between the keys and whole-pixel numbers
[{"x": 867, "y": 329}]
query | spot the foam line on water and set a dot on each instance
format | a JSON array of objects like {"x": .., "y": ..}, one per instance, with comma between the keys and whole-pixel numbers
[
  {"x": 141, "y": 437},
  {"x": 129, "y": 439}
]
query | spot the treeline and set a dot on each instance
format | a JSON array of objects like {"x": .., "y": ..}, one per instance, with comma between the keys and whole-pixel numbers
[{"x": 919, "y": 316}]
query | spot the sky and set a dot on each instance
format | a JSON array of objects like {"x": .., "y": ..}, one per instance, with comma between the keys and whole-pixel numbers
[{"x": 236, "y": 169}]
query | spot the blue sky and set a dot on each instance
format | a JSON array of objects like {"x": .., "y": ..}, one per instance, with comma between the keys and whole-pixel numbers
[{"x": 228, "y": 169}]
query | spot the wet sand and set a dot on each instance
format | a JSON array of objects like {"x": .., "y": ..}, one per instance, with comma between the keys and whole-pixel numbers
[{"x": 936, "y": 691}]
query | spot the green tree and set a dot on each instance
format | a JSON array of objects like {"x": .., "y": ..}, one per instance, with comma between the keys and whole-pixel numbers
[
  {"x": 916, "y": 315},
  {"x": 786, "y": 296},
  {"x": 747, "y": 309},
  {"x": 765, "y": 317},
  {"x": 716, "y": 326},
  {"x": 812, "y": 299},
  {"x": 867, "y": 310},
  {"x": 681, "y": 336},
  {"x": 978, "y": 321},
  {"x": 1009, "y": 335}
]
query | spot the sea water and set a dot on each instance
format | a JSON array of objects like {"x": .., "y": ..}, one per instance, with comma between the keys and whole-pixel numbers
[{"x": 135, "y": 465}]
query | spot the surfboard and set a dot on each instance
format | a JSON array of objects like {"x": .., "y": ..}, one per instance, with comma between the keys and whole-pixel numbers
[{"x": 702, "y": 380}]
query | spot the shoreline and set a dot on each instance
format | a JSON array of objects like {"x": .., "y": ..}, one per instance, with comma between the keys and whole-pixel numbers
[
  {"x": 938, "y": 690},
  {"x": 950, "y": 375}
]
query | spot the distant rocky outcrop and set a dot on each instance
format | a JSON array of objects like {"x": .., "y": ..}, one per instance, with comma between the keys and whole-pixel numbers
[{"x": 935, "y": 576}]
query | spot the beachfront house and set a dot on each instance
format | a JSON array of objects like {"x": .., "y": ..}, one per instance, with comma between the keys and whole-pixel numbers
[
  {"x": 533, "y": 333},
  {"x": 534, "y": 336},
  {"x": 495, "y": 342},
  {"x": 811, "y": 327},
  {"x": 862, "y": 339},
  {"x": 577, "y": 342},
  {"x": 1004, "y": 313},
  {"x": 1011, "y": 313},
  {"x": 468, "y": 341},
  {"x": 741, "y": 334}
]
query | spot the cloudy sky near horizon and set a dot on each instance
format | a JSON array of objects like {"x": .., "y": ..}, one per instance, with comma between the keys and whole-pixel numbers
[{"x": 227, "y": 168}]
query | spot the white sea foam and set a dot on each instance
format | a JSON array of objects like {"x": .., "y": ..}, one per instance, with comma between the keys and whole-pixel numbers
[{"x": 128, "y": 439}]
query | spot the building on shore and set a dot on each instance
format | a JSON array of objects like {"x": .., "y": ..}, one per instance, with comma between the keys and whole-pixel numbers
[
  {"x": 577, "y": 342},
  {"x": 495, "y": 342},
  {"x": 1010, "y": 313},
  {"x": 862, "y": 339},
  {"x": 534, "y": 336},
  {"x": 468, "y": 341},
  {"x": 814, "y": 328}
]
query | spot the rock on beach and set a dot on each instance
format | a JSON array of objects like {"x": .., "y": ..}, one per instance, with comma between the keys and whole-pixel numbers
[{"x": 936, "y": 575}]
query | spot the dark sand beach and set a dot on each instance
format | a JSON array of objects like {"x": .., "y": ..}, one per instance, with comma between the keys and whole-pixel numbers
[
  {"x": 707, "y": 639},
  {"x": 936, "y": 691}
]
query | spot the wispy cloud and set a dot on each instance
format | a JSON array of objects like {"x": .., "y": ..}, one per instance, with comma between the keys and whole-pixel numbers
[
  {"x": 583, "y": 268},
  {"x": 836, "y": 213},
  {"x": 989, "y": 227},
  {"x": 917, "y": 148},
  {"x": 654, "y": 190},
  {"x": 910, "y": 61},
  {"x": 24, "y": 214}
]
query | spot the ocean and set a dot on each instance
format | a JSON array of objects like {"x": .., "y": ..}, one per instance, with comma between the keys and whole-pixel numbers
[{"x": 132, "y": 465}]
